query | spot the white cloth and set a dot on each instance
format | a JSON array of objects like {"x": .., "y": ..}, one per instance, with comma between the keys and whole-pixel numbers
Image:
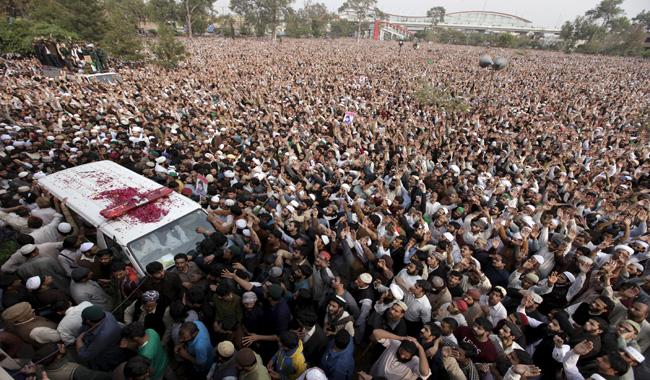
[
  {"x": 48, "y": 232},
  {"x": 419, "y": 309},
  {"x": 46, "y": 214},
  {"x": 496, "y": 313},
  {"x": 70, "y": 326}
]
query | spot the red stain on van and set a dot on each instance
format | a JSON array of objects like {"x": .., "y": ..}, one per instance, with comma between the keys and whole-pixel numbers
[{"x": 149, "y": 213}]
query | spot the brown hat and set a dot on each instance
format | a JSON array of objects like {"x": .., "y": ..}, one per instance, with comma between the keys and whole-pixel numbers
[
  {"x": 19, "y": 312},
  {"x": 245, "y": 357}
]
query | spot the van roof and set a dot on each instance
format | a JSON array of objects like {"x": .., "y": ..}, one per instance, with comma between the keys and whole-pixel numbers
[{"x": 92, "y": 187}]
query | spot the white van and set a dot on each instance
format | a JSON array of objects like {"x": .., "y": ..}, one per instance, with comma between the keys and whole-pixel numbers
[{"x": 149, "y": 231}]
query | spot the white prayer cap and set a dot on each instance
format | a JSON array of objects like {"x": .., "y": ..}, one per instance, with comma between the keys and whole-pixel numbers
[
  {"x": 569, "y": 276},
  {"x": 39, "y": 175},
  {"x": 64, "y": 228},
  {"x": 623, "y": 247},
  {"x": 215, "y": 199},
  {"x": 397, "y": 292},
  {"x": 295, "y": 203},
  {"x": 246, "y": 232},
  {"x": 241, "y": 223},
  {"x": 229, "y": 174},
  {"x": 33, "y": 283},
  {"x": 539, "y": 259},
  {"x": 87, "y": 246},
  {"x": 634, "y": 354},
  {"x": 161, "y": 159},
  {"x": 229, "y": 202},
  {"x": 23, "y": 174},
  {"x": 27, "y": 249}
]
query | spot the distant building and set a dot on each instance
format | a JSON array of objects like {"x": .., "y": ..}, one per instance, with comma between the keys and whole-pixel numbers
[{"x": 471, "y": 21}]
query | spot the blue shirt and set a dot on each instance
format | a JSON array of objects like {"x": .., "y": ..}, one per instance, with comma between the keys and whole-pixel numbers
[
  {"x": 339, "y": 365},
  {"x": 101, "y": 348},
  {"x": 201, "y": 348}
]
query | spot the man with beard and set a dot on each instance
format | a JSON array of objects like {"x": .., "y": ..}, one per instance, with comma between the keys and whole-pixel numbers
[
  {"x": 638, "y": 312},
  {"x": 403, "y": 358},
  {"x": 542, "y": 357},
  {"x": 592, "y": 331},
  {"x": 336, "y": 318},
  {"x": 494, "y": 268},
  {"x": 407, "y": 277},
  {"x": 364, "y": 296},
  {"x": 322, "y": 276},
  {"x": 479, "y": 337},
  {"x": 610, "y": 366},
  {"x": 439, "y": 295},
  {"x": 392, "y": 320},
  {"x": 621, "y": 336},
  {"x": 600, "y": 307},
  {"x": 167, "y": 284},
  {"x": 419, "y": 307},
  {"x": 472, "y": 298},
  {"x": 559, "y": 286}
]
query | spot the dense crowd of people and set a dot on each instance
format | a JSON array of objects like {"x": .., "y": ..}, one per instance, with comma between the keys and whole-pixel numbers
[{"x": 359, "y": 231}]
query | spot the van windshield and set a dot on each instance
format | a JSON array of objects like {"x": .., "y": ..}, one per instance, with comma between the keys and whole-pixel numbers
[{"x": 178, "y": 236}]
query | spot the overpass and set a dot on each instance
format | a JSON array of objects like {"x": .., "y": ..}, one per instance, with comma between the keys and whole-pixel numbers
[
  {"x": 395, "y": 26},
  {"x": 479, "y": 21}
]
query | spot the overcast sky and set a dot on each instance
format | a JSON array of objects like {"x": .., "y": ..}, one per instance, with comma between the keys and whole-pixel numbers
[{"x": 548, "y": 13}]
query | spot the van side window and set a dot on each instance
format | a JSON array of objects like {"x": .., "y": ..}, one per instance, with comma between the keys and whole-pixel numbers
[{"x": 118, "y": 253}]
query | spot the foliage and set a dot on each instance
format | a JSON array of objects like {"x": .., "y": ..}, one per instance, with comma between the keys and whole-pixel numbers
[
  {"x": 318, "y": 16},
  {"x": 428, "y": 95},
  {"x": 606, "y": 11},
  {"x": 297, "y": 24},
  {"x": 437, "y": 15},
  {"x": 362, "y": 9},
  {"x": 340, "y": 28},
  {"x": 643, "y": 18},
  {"x": 195, "y": 13},
  {"x": 18, "y": 36},
  {"x": 14, "y": 8},
  {"x": 605, "y": 30},
  {"x": 226, "y": 24},
  {"x": 162, "y": 11},
  {"x": 311, "y": 20},
  {"x": 121, "y": 39},
  {"x": 168, "y": 51},
  {"x": 260, "y": 14}
]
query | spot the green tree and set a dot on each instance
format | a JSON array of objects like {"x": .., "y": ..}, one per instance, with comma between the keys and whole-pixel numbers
[
  {"x": 362, "y": 9},
  {"x": 168, "y": 51},
  {"x": 606, "y": 11},
  {"x": 14, "y": 8},
  {"x": 566, "y": 33},
  {"x": 18, "y": 36},
  {"x": 193, "y": 9},
  {"x": 507, "y": 40},
  {"x": 121, "y": 38},
  {"x": 342, "y": 28},
  {"x": 318, "y": 16},
  {"x": 227, "y": 25},
  {"x": 162, "y": 11},
  {"x": 273, "y": 11},
  {"x": 262, "y": 13},
  {"x": 297, "y": 24},
  {"x": 84, "y": 18},
  {"x": 643, "y": 18},
  {"x": 437, "y": 15}
]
